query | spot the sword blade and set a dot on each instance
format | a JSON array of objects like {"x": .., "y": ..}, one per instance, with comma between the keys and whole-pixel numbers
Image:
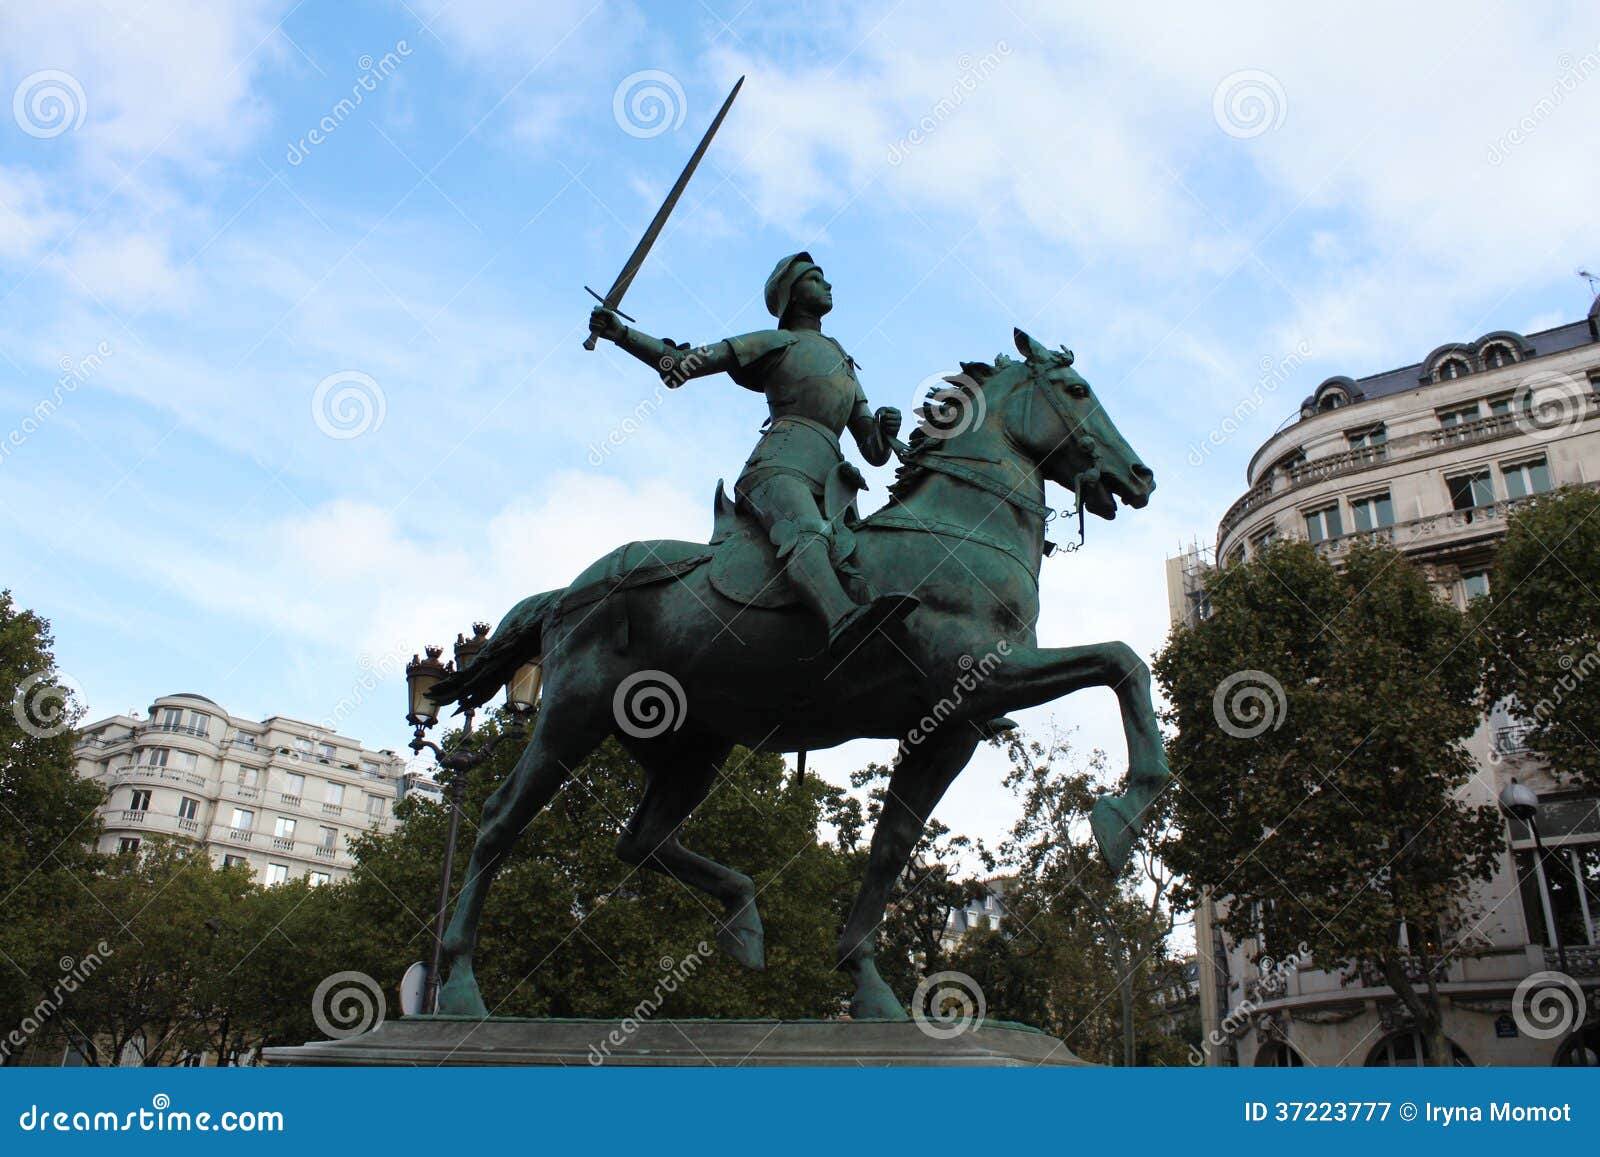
[{"x": 613, "y": 297}]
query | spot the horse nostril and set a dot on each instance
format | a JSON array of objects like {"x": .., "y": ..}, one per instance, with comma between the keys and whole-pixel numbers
[{"x": 1143, "y": 472}]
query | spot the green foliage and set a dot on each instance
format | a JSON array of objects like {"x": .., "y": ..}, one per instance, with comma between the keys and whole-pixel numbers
[
  {"x": 1083, "y": 952},
  {"x": 1327, "y": 813},
  {"x": 1542, "y": 619},
  {"x": 569, "y": 930},
  {"x": 48, "y": 821}
]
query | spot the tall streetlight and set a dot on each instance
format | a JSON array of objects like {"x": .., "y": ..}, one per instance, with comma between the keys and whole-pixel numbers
[
  {"x": 422, "y": 675},
  {"x": 1521, "y": 803}
]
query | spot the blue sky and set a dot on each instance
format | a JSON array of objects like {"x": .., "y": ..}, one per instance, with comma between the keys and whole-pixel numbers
[{"x": 1183, "y": 197}]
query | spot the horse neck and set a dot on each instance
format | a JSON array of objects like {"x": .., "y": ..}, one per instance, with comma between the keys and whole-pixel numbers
[{"x": 943, "y": 498}]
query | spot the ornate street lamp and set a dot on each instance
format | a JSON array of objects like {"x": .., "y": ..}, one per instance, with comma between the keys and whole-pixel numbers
[
  {"x": 422, "y": 675},
  {"x": 1520, "y": 802}
]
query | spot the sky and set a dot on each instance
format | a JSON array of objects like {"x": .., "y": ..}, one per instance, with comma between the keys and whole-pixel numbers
[{"x": 292, "y": 295}]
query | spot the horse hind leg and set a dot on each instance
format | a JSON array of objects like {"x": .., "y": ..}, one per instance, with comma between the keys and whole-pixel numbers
[
  {"x": 677, "y": 779},
  {"x": 562, "y": 736}
]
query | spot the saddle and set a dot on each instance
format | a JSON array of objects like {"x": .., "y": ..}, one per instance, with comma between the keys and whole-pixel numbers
[{"x": 744, "y": 561}]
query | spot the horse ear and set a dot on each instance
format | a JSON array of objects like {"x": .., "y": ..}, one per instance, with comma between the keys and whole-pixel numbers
[{"x": 1029, "y": 348}]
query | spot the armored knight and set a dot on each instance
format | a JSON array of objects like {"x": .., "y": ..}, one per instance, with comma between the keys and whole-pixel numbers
[{"x": 812, "y": 398}]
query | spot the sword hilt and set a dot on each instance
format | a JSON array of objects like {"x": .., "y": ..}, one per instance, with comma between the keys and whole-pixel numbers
[{"x": 591, "y": 341}]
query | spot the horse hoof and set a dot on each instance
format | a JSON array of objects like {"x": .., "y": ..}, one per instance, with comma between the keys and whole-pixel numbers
[
  {"x": 875, "y": 1000},
  {"x": 460, "y": 996},
  {"x": 1114, "y": 831},
  {"x": 746, "y": 944}
]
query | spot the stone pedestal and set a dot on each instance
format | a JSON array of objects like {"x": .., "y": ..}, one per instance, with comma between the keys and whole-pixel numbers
[{"x": 444, "y": 1040}]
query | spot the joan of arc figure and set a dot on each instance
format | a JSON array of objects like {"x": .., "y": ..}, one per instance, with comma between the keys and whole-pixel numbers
[{"x": 813, "y": 396}]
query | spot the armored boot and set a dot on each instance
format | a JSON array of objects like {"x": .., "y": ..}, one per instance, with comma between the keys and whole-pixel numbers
[{"x": 810, "y": 570}]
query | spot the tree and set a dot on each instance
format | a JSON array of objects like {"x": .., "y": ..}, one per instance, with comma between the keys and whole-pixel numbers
[
  {"x": 1321, "y": 716},
  {"x": 1083, "y": 952},
  {"x": 1542, "y": 620},
  {"x": 48, "y": 826}
]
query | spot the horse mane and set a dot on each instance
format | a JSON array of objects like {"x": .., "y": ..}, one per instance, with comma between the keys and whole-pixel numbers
[{"x": 941, "y": 403}]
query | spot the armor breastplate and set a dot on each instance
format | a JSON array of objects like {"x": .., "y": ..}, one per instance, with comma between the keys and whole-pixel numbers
[{"x": 814, "y": 379}]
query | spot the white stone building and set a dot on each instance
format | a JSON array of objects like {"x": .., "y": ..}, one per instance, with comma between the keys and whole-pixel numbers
[
  {"x": 281, "y": 796},
  {"x": 1428, "y": 458}
]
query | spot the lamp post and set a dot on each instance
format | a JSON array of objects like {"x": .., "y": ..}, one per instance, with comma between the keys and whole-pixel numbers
[
  {"x": 422, "y": 675},
  {"x": 1521, "y": 803}
]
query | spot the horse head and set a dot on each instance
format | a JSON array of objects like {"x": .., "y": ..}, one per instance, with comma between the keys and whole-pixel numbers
[{"x": 1071, "y": 437}]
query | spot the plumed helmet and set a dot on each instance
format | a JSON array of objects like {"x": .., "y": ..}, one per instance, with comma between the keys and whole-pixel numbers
[{"x": 788, "y": 271}]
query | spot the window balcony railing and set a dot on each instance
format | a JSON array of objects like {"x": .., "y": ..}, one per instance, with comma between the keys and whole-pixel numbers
[
  {"x": 326, "y": 853},
  {"x": 283, "y": 843},
  {"x": 289, "y": 798},
  {"x": 240, "y": 835},
  {"x": 176, "y": 729},
  {"x": 1513, "y": 739},
  {"x": 133, "y": 816},
  {"x": 188, "y": 825},
  {"x": 332, "y": 809},
  {"x": 1364, "y": 457}
]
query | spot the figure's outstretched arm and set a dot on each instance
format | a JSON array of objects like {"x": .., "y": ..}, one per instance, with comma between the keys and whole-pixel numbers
[
  {"x": 874, "y": 431},
  {"x": 675, "y": 363}
]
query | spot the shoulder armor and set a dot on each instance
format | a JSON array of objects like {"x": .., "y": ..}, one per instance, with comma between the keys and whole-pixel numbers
[{"x": 752, "y": 347}]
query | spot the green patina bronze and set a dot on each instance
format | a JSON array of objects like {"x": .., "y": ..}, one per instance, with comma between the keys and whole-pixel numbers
[{"x": 802, "y": 626}]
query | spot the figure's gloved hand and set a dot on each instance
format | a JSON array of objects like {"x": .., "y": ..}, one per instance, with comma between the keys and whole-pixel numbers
[
  {"x": 888, "y": 419},
  {"x": 605, "y": 323}
]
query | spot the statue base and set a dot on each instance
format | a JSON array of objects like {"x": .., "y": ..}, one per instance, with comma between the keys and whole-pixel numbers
[{"x": 448, "y": 1040}]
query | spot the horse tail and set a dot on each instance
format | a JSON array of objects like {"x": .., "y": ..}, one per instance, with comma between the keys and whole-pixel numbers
[{"x": 517, "y": 640}]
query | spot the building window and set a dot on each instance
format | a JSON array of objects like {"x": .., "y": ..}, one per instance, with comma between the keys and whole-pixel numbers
[
  {"x": 336, "y": 794},
  {"x": 293, "y": 784},
  {"x": 171, "y": 718},
  {"x": 249, "y": 777},
  {"x": 188, "y": 808},
  {"x": 243, "y": 819},
  {"x": 1324, "y": 524},
  {"x": 1264, "y": 538},
  {"x": 200, "y": 722},
  {"x": 283, "y": 828},
  {"x": 1525, "y": 478},
  {"x": 330, "y": 838},
  {"x": 1497, "y": 354},
  {"x": 302, "y": 743},
  {"x": 139, "y": 800},
  {"x": 1410, "y": 1049},
  {"x": 183, "y": 760},
  {"x": 328, "y": 751},
  {"x": 1374, "y": 512},
  {"x": 1452, "y": 368},
  {"x": 128, "y": 845},
  {"x": 277, "y": 873},
  {"x": 317, "y": 879},
  {"x": 1277, "y": 1054},
  {"x": 1371, "y": 438},
  {"x": 1453, "y": 419},
  {"x": 1475, "y": 585},
  {"x": 375, "y": 806},
  {"x": 1236, "y": 555},
  {"x": 1470, "y": 490},
  {"x": 235, "y": 862},
  {"x": 155, "y": 756}
]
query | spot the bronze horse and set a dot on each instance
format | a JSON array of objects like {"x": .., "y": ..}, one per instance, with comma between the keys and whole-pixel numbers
[{"x": 964, "y": 531}]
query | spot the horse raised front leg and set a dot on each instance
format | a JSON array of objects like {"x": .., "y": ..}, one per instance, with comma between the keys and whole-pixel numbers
[
  {"x": 915, "y": 788},
  {"x": 1031, "y": 676}
]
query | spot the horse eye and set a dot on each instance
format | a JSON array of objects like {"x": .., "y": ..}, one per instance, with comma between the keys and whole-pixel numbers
[{"x": 1078, "y": 390}]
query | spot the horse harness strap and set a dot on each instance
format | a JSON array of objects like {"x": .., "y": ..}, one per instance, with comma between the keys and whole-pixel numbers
[
  {"x": 983, "y": 482},
  {"x": 951, "y": 530}
]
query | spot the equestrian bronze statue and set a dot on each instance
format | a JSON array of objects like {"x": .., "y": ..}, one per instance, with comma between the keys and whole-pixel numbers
[{"x": 803, "y": 625}]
